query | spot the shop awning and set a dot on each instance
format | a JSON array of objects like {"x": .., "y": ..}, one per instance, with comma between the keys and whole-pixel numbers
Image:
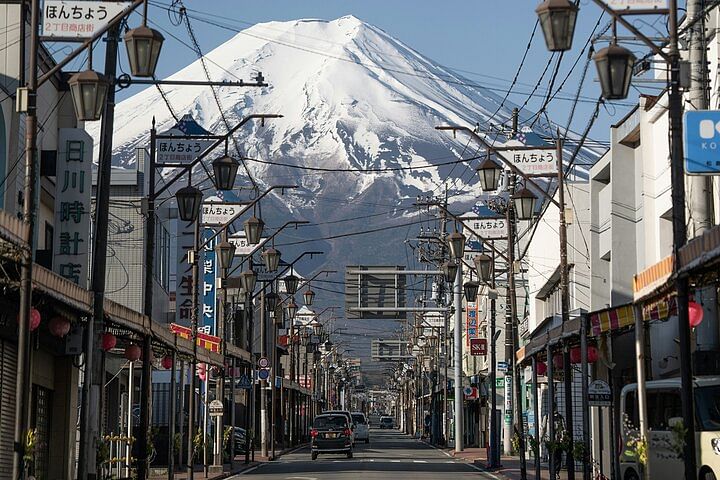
[
  {"x": 611, "y": 319},
  {"x": 654, "y": 280}
]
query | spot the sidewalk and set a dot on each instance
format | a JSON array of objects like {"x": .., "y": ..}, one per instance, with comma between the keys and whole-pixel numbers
[
  {"x": 510, "y": 469},
  {"x": 239, "y": 465}
]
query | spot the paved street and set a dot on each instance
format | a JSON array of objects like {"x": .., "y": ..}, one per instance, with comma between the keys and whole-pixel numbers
[{"x": 390, "y": 455}]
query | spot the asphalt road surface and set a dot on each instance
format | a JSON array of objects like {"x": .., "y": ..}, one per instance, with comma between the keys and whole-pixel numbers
[{"x": 389, "y": 455}]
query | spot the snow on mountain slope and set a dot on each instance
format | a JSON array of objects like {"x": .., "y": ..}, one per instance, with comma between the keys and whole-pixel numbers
[{"x": 352, "y": 97}]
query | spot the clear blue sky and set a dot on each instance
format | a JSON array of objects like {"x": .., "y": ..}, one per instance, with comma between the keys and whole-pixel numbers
[{"x": 484, "y": 40}]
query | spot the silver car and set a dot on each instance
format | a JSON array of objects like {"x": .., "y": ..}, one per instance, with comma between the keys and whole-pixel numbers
[{"x": 362, "y": 427}]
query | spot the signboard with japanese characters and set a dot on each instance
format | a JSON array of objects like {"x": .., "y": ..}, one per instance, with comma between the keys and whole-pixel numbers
[
  {"x": 179, "y": 150},
  {"x": 218, "y": 213},
  {"x": 72, "y": 205},
  {"x": 471, "y": 321},
  {"x": 599, "y": 394},
  {"x": 208, "y": 269},
  {"x": 489, "y": 228},
  {"x": 242, "y": 247},
  {"x": 478, "y": 346},
  {"x": 533, "y": 162},
  {"x": 78, "y": 19},
  {"x": 184, "y": 286},
  {"x": 637, "y": 4}
]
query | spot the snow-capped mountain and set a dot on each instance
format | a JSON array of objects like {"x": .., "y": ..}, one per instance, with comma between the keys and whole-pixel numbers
[{"x": 352, "y": 97}]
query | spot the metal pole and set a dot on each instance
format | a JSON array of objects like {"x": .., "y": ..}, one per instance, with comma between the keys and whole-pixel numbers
[
  {"x": 273, "y": 392},
  {"x": 149, "y": 261},
  {"x": 263, "y": 383},
  {"x": 587, "y": 471},
  {"x": 641, "y": 391},
  {"x": 131, "y": 390},
  {"x": 494, "y": 460},
  {"x": 250, "y": 393},
  {"x": 565, "y": 305},
  {"x": 232, "y": 414},
  {"x": 171, "y": 414},
  {"x": 458, "y": 359},
  {"x": 23, "y": 380},
  {"x": 181, "y": 413},
  {"x": 552, "y": 468},
  {"x": 193, "y": 366},
  {"x": 509, "y": 337},
  {"x": 536, "y": 413},
  {"x": 677, "y": 180}
]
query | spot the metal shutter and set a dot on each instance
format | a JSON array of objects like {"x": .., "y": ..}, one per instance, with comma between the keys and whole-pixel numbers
[{"x": 8, "y": 375}]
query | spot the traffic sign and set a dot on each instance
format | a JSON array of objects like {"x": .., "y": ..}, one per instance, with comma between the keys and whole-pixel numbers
[
  {"x": 478, "y": 346},
  {"x": 263, "y": 362},
  {"x": 702, "y": 142},
  {"x": 599, "y": 394},
  {"x": 502, "y": 366},
  {"x": 244, "y": 383},
  {"x": 215, "y": 409},
  {"x": 263, "y": 374}
]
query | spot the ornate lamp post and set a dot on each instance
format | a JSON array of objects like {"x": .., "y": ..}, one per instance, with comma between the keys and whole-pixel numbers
[
  {"x": 253, "y": 230},
  {"x": 189, "y": 199},
  {"x": 557, "y": 19}
]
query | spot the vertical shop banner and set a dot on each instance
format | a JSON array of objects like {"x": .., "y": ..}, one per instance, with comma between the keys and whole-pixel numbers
[
  {"x": 209, "y": 273},
  {"x": 73, "y": 185},
  {"x": 471, "y": 322},
  {"x": 183, "y": 283}
]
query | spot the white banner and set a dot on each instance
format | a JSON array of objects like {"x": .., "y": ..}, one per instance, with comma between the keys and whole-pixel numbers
[
  {"x": 533, "y": 162},
  {"x": 637, "y": 4},
  {"x": 171, "y": 150},
  {"x": 72, "y": 205},
  {"x": 79, "y": 19},
  {"x": 242, "y": 247}
]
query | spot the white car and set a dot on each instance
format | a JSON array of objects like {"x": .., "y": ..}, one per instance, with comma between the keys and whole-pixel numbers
[{"x": 362, "y": 427}]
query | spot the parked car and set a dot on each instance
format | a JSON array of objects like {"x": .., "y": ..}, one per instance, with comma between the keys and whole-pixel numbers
[
  {"x": 387, "y": 422},
  {"x": 664, "y": 413},
  {"x": 348, "y": 415},
  {"x": 331, "y": 433},
  {"x": 240, "y": 440},
  {"x": 362, "y": 427}
]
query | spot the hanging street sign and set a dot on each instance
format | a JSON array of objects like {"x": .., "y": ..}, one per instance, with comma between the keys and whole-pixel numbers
[
  {"x": 218, "y": 213},
  {"x": 215, "y": 408},
  {"x": 599, "y": 394},
  {"x": 77, "y": 19},
  {"x": 637, "y": 4},
  {"x": 244, "y": 383},
  {"x": 242, "y": 247},
  {"x": 478, "y": 346},
  {"x": 702, "y": 142},
  {"x": 489, "y": 228},
  {"x": 533, "y": 162}
]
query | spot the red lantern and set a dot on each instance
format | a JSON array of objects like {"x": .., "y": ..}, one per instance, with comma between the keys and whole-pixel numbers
[
  {"x": 133, "y": 352},
  {"x": 167, "y": 362},
  {"x": 202, "y": 371},
  {"x": 108, "y": 341},
  {"x": 575, "y": 356},
  {"x": 695, "y": 314},
  {"x": 541, "y": 368},
  {"x": 592, "y": 354},
  {"x": 34, "y": 320},
  {"x": 558, "y": 361},
  {"x": 59, "y": 326}
]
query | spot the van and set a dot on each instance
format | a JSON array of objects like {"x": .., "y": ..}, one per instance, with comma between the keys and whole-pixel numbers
[{"x": 664, "y": 412}]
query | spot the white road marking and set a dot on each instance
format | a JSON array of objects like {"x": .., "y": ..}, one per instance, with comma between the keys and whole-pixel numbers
[
  {"x": 419, "y": 461},
  {"x": 250, "y": 470}
]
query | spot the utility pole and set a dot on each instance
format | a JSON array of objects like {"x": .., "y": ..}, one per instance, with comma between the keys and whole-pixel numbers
[
  {"x": 458, "y": 358},
  {"x": 94, "y": 367},
  {"x": 494, "y": 460},
  {"x": 263, "y": 383},
  {"x": 699, "y": 187},
  {"x": 192, "y": 408},
  {"x": 509, "y": 328},
  {"x": 24, "y": 369}
]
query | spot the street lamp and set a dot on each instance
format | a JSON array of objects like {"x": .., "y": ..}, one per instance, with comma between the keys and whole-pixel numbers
[
  {"x": 483, "y": 265},
  {"x": 291, "y": 284},
  {"x": 557, "y": 19},
  {"x": 88, "y": 90},
  {"x": 143, "y": 48},
  {"x": 189, "y": 199},
  {"x": 248, "y": 279},
  {"x": 225, "y": 169},
  {"x": 253, "y": 230},
  {"x": 489, "y": 173},
  {"x": 316, "y": 326},
  {"x": 291, "y": 310},
  {"x": 271, "y": 300},
  {"x": 456, "y": 241},
  {"x": 524, "y": 202},
  {"x": 471, "y": 290},
  {"x": 225, "y": 253},
  {"x": 449, "y": 269},
  {"x": 614, "y": 66},
  {"x": 308, "y": 297},
  {"x": 271, "y": 257}
]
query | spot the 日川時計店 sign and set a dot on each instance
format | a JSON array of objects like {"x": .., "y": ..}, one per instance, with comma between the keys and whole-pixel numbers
[
  {"x": 80, "y": 19},
  {"x": 533, "y": 162}
]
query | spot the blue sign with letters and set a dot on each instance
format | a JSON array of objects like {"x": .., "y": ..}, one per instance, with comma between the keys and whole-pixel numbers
[{"x": 702, "y": 142}]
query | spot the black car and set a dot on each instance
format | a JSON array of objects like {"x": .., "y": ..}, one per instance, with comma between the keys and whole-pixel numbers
[
  {"x": 331, "y": 433},
  {"x": 387, "y": 422}
]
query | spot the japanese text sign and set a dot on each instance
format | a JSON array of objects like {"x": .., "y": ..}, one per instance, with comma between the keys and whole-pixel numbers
[
  {"x": 533, "y": 162},
  {"x": 490, "y": 228},
  {"x": 72, "y": 205},
  {"x": 184, "y": 286},
  {"x": 180, "y": 150},
  {"x": 216, "y": 213},
  {"x": 79, "y": 19},
  {"x": 208, "y": 270},
  {"x": 702, "y": 142}
]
